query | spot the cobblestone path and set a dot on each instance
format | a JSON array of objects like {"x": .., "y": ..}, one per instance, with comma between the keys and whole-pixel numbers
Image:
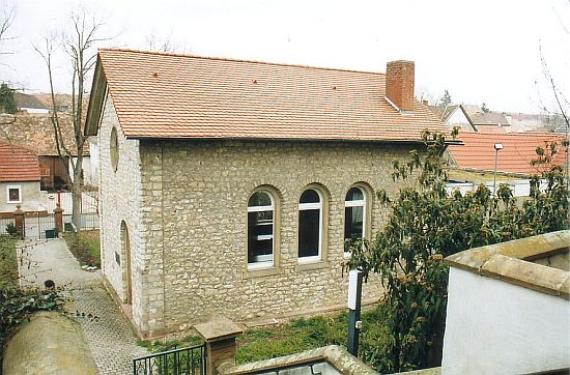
[{"x": 107, "y": 331}]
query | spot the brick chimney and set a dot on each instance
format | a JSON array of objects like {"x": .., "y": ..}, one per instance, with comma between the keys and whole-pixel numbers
[{"x": 400, "y": 84}]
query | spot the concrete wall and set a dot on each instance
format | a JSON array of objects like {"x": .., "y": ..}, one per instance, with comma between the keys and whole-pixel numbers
[
  {"x": 494, "y": 327},
  {"x": 194, "y": 214},
  {"x": 32, "y": 199},
  {"x": 120, "y": 200}
]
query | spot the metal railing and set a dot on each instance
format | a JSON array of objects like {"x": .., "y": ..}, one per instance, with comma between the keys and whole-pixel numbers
[{"x": 183, "y": 361}]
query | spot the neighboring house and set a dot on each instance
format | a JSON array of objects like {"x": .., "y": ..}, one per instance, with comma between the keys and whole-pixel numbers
[
  {"x": 454, "y": 115},
  {"x": 36, "y": 132},
  {"x": 19, "y": 179},
  {"x": 30, "y": 104},
  {"x": 485, "y": 122},
  {"x": 228, "y": 187},
  {"x": 473, "y": 163},
  {"x": 471, "y": 118},
  {"x": 508, "y": 309},
  {"x": 521, "y": 122}
]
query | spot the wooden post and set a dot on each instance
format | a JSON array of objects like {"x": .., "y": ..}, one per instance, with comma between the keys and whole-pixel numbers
[
  {"x": 58, "y": 217},
  {"x": 20, "y": 222},
  {"x": 220, "y": 337}
]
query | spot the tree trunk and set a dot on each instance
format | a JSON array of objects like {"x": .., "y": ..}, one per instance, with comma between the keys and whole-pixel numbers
[{"x": 76, "y": 193}]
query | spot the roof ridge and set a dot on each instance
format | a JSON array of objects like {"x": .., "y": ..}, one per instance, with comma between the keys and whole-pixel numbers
[{"x": 234, "y": 60}]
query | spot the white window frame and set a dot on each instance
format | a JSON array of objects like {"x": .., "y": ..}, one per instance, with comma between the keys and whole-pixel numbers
[
  {"x": 313, "y": 206},
  {"x": 357, "y": 203},
  {"x": 11, "y": 187},
  {"x": 271, "y": 260}
]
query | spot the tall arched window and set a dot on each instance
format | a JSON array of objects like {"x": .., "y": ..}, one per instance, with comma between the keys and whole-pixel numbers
[
  {"x": 114, "y": 149},
  {"x": 355, "y": 214},
  {"x": 126, "y": 268},
  {"x": 260, "y": 230},
  {"x": 310, "y": 225}
]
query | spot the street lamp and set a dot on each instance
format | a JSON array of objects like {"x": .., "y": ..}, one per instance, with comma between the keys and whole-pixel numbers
[{"x": 497, "y": 147}]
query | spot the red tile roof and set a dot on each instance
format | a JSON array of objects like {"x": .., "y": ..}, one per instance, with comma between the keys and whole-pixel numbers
[
  {"x": 159, "y": 95},
  {"x": 519, "y": 150},
  {"x": 18, "y": 164},
  {"x": 36, "y": 132}
]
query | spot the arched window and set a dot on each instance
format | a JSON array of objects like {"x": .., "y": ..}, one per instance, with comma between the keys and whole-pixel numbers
[
  {"x": 260, "y": 229},
  {"x": 310, "y": 225},
  {"x": 114, "y": 149},
  {"x": 126, "y": 268},
  {"x": 355, "y": 214}
]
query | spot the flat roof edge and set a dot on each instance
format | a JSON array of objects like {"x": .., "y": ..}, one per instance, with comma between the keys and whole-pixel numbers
[{"x": 511, "y": 262}]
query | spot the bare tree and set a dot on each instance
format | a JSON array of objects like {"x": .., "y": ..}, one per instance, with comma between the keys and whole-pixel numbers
[
  {"x": 159, "y": 44},
  {"x": 78, "y": 43},
  {"x": 7, "y": 14}
]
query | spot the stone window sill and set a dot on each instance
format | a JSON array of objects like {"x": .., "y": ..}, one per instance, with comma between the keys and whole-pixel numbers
[
  {"x": 312, "y": 265},
  {"x": 261, "y": 272}
]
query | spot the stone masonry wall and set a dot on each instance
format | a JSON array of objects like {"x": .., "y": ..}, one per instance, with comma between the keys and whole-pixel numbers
[
  {"x": 120, "y": 193},
  {"x": 194, "y": 215}
]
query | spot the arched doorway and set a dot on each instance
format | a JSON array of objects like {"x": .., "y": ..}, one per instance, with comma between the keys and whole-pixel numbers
[{"x": 126, "y": 272}]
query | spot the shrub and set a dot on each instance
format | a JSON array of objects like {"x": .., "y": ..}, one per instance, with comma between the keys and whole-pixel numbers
[
  {"x": 426, "y": 225},
  {"x": 11, "y": 229}
]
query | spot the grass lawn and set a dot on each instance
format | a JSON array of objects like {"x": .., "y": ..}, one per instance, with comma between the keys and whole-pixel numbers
[
  {"x": 296, "y": 336},
  {"x": 85, "y": 247},
  {"x": 8, "y": 261}
]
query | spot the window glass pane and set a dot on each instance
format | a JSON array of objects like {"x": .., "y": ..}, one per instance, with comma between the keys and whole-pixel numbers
[
  {"x": 309, "y": 225},
  {"x": 310, "y": 196},
  {"x": 354, "y": 194},
  {"x": 260, "y": 237},
  {"x": 14, "y": 194},
  {"x": 260, "y": 199},
  {"x": 353, "y": 222}
]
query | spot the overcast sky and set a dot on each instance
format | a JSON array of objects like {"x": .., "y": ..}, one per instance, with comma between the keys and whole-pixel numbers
[{"x": 481, "y": 51}]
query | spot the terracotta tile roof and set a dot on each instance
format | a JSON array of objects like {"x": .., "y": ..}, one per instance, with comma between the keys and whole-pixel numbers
[
  {"x": 18, "y": 164},
  {"x": 160, "y": 95},
  {"x": 489, "y": 118},
  {"x": 519, "y": 150},
  {"x": 35, "y": 131}
]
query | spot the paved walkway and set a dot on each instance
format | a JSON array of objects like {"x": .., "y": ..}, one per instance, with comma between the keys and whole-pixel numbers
[{"x": 107, "y": 331}]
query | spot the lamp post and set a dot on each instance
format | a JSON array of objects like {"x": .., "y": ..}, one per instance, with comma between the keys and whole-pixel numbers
[{"x": 497, "y": 147}]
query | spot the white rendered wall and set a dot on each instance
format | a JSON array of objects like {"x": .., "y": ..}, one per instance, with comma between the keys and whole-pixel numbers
[
  {"x": 94, "y": 161},
  {"x": 86, "y": 165},
  {"x": 457, "y": 118},
  {"x": 494, "y": 327}
]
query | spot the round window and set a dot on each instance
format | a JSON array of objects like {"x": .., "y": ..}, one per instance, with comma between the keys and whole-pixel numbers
[{"x": 114, "y": 149}]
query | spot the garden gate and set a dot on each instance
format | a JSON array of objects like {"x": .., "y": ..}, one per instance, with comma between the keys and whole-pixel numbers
[{"x": 184, "y": 361}]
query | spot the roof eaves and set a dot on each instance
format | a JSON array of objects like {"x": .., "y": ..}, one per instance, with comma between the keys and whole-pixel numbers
[
  {"x": 276, "y": 139},
  {"x": 96, "y": 100}
]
